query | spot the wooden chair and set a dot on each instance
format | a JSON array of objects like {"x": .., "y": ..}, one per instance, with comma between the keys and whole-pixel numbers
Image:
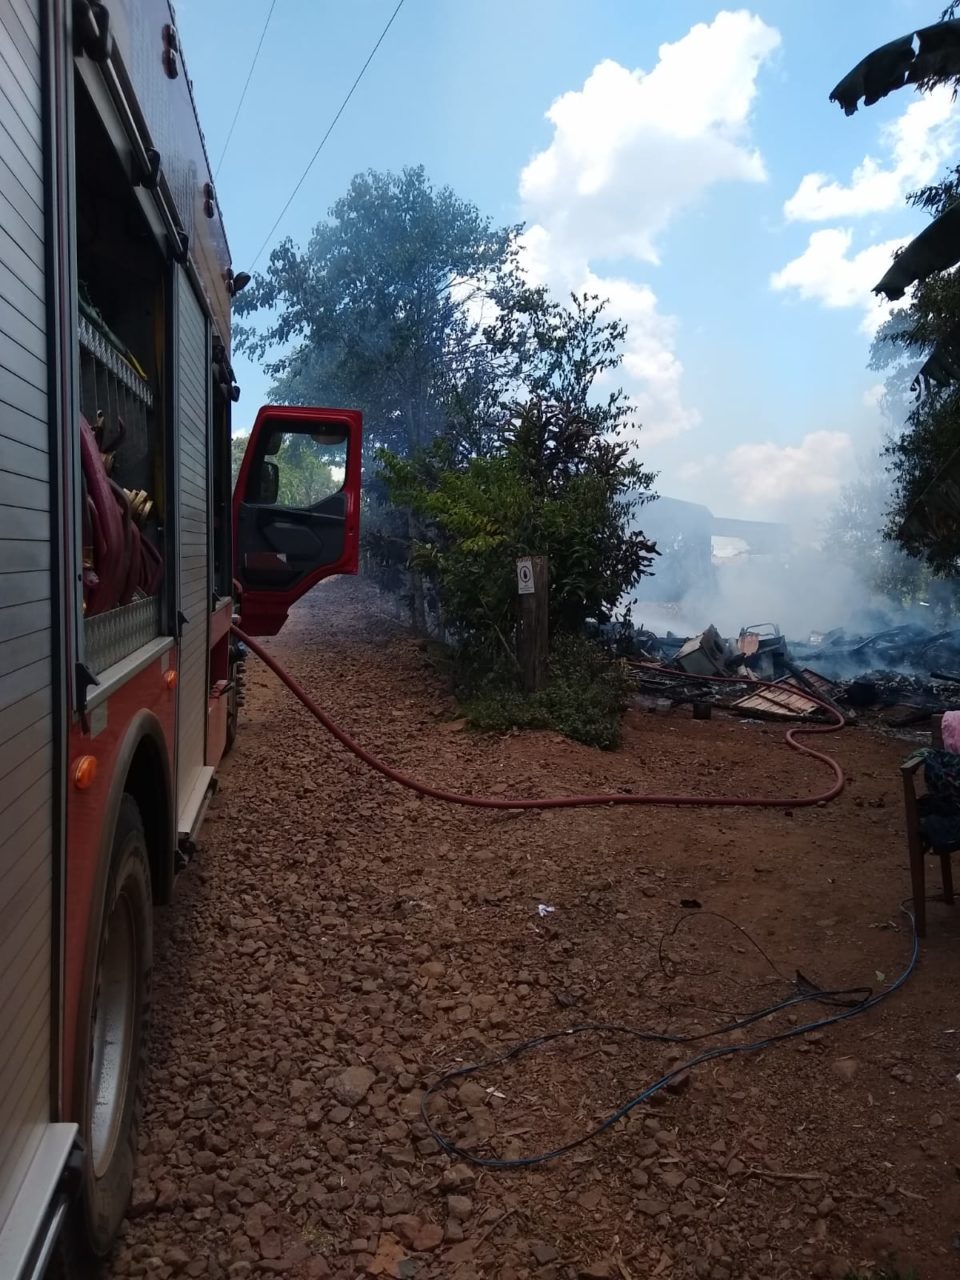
[{"x": 917, "y": 845}]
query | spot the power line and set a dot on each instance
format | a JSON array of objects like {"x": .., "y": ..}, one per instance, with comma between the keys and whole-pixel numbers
[
  {"x": 330, "y": 129},
  {"x": 246, "y": 86}
]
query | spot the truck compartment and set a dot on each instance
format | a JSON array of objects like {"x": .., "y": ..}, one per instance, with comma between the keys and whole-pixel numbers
[{"x": 121, "y": 334}]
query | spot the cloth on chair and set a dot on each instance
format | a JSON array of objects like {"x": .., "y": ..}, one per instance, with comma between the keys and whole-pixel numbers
[
  {"x": 939, "y": 809},
  {"x": 941, "y": 773},
  {"x": 950, "y": 728}
]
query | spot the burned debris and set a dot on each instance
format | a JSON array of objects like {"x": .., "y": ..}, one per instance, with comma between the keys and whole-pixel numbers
[{"x": 900, "y": 676}]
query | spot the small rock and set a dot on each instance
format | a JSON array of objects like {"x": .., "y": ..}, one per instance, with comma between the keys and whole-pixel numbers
[
  {"x": 652, "y": 1208},
  {"x": 471, "y": 1094},
  {"x": 428, "y": 1237},
  {"x": 143, "y": 1199},
  {"x": 353, "y": 1085},
  {"x": 459, "y": 1207},
  {"x": 407, "y": 1227},
  {"x": 271, "y": 1246},
  {"x": 597, "y": 1271},
  {"x": 167, "y": 1194},
  {"x": 846, "y": 1068},
  {"x": 543, "y": 1253},
  {"x": 936, "y": 1120},
  {"x": 458, "y": 1175}
]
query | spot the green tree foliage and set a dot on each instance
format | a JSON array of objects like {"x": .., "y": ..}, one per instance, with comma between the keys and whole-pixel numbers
[
  {"x": 305, "y": 476},
  {"x": 238, "y": 447},
  {"x": 930, "y": 431},
  {"x": 919, "y": 346},
  {"x": 561, "y": 484},
  {"x": 492, "y": 410},
  {"x": 382, "y": 310}
]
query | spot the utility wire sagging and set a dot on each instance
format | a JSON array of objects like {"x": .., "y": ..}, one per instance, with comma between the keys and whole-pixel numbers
[
  {"x": 330, "y": 128},
  {"x": 243, "y": 91}
]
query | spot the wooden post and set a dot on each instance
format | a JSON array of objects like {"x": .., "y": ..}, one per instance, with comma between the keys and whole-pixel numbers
[{"x": 533, "y": 585}]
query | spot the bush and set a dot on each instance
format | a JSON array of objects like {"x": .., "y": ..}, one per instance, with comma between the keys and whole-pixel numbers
[{"x": 585, "y": 696}]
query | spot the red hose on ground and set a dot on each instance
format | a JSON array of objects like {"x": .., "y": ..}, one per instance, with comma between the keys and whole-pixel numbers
[{"x": 575, "y": 802}]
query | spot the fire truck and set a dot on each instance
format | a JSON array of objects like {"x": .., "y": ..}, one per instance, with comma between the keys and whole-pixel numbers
[{"x": 126, "y": 553}]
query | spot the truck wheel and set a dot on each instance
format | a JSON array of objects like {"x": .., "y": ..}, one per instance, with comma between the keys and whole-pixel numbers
[
  {"x": 113, "y": 1044},
  {"x": 233, "y": 716}
]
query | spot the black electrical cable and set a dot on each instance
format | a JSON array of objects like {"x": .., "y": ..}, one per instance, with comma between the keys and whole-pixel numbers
[
  {"x": 246, "y": 86},
  {"x": 865, "y": 999},
  {"x": 699, "y": 914},
  {"x": 330, "y": 129}
]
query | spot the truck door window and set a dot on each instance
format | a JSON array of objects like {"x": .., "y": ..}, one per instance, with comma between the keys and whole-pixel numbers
[{"x": 300, "y": 470}]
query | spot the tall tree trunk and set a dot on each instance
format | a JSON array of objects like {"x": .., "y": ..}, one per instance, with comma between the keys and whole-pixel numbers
[{"x": 418, "y": 603}]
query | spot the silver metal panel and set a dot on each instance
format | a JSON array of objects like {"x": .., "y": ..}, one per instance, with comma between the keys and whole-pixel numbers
[
  {"x": 195, "y": 582},
  {"x": 31, "y": 1149},
  {"x": 109, "y": 637}
]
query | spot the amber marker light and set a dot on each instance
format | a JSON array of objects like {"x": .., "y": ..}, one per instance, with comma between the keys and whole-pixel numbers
[
  {"x": 85, "y": 773},
  {"x": 170, "y": 679}
]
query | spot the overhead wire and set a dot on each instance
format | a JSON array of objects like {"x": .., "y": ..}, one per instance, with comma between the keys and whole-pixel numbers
[
  {"x": 330, "y": 129},
  {"x": 246, "y": 86}
]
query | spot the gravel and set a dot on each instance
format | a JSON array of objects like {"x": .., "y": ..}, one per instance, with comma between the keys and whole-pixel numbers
[{"x": 339, "y": 942}]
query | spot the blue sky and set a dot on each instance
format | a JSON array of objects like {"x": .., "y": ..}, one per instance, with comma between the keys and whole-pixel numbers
[{"x": 675, "y": 173}]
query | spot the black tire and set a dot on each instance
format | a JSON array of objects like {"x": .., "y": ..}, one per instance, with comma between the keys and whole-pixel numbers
[
  {"x": 233, "y": 714},
  {"x": 114, "y": 1048}
]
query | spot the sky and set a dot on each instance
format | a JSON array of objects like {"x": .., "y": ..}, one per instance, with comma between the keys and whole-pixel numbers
[{"x": 681, "y": 160}]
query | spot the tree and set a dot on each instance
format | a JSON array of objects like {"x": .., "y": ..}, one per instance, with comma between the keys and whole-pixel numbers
[
  {"x": 925, "y": 333},
  {"x": 561, "y": 483},
  {"x": 304, "y": 478},
  {"x": 382, "y": 309},
  {"x": 927, "y": 330},
  {"x": 238, "y": 447}
]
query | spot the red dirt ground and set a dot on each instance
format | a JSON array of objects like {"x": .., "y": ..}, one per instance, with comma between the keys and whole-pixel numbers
[{"x": 339, "y": 941}]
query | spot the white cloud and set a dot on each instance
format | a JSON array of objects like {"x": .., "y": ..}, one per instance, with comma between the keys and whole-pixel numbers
[
  {"x": 650, "y": 369},
  {"x": 919, "y": 142},
  {"x": 776, "y": 481},
  {"x": 828, "y": 273},
  {"x": 630, "y": 150}
]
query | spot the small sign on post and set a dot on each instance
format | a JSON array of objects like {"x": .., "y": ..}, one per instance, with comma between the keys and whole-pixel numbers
[{"x": 533, "y": 590}]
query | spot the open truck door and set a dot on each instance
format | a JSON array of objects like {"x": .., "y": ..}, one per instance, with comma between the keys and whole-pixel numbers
[{"x": 296, "y": 509}]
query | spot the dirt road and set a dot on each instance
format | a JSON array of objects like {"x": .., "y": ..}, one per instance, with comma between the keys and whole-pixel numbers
[{"x": 339, "y": 941}]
